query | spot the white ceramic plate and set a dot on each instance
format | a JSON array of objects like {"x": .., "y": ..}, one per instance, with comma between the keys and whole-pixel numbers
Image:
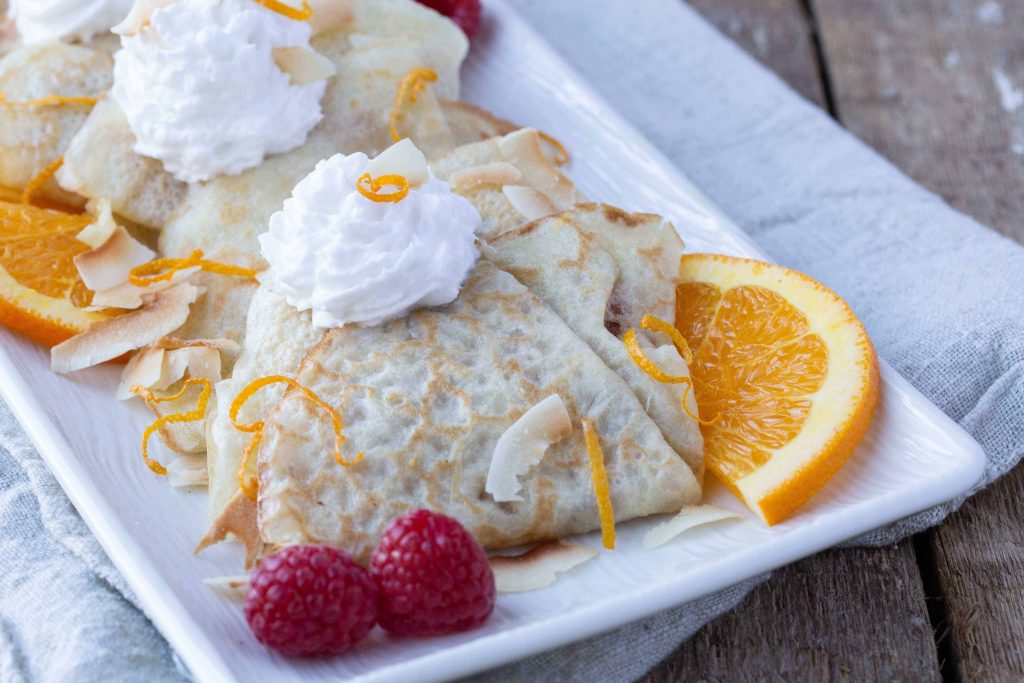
[{"x": 913, "y": 457}]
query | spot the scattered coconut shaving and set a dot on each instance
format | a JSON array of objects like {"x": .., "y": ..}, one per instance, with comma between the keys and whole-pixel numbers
[
  {"x": 188, "y": 471},
  {"x": 303, "y": 65},
  {"x": 96, "y": 234},
  {"x": 529, "y": 202},
  {"x": 110, "y": 264},
  {"x": 403, "y": 159},
  {"x": 108, "y": 339},
  {"x": 233, "y": 588},
  {"x": 129, "y": 297},
  {"x": 495, "y": 173},
  {"x": 524, "y": 444},
  {"x": 538, "y": 567},
  {"x": 688, "y": 518},
  {"x": 524, "y": 150}
]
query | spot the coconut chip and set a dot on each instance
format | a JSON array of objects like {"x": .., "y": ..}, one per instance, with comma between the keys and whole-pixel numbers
[
  {"x": 524, "y": 444},
  {"x": 537, "y": 567},
  {"x": 144, "y": 369},
  {"x": 233, "y": 588},
  {"x": 188, "y": 471},
  {"x": 238, "y": 519},
  {"x": 97, "y": 233},
  {"x": 129, "y": 297},
  {"x": 110, "y": 338},
  {"x": 529, "y": 202},
  {"x": 494, "y": 173},
  {"x": 402, "y": 158},
  {"x": 303, "y": 65},
  {"x": 524, "y": 149},
  {"x": 329, "y": 14},
  {"x": 109, "y": 264},
  {"x": 688, "y": 518}
]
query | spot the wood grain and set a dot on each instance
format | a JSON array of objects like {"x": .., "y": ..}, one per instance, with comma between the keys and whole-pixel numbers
[
  {"x": 937, "y": 86},
  {"x": 853, "y": 614}
]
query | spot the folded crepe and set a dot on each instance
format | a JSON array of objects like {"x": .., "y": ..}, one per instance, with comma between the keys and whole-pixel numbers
[
  {"x": 427, "y": 397},
  {"x": 31, "y": 138},
  {"x": 601, "y": 269}
]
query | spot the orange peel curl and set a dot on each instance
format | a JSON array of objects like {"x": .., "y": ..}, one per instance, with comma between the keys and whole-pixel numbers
[
  {"x": 601, "y": 491},
  {"x": 40, "y": 180},
  {"x": 409, "y": 89},
  {"x": 285, "y": 10},
  {"x": 371, "y": 187},
  {"x": 197, "y": 413},
  {"x": 164, "y": 269}
]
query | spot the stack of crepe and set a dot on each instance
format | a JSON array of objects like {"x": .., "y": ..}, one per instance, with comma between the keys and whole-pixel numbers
[{"x": 425, "y": 397}]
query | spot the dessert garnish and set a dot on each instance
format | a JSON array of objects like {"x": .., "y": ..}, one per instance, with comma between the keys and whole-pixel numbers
[
  {"x": 432, "y": 576},
  {"x": 185, "y": 82},
  {"x": 40, "y": 179},
  {"x": 524, "y": 444},
  {"x": 40, "y": 22},
  {"x": 297, "y": 14},
  {"x": 561, "y": 153},
  {"x": 600, "y": 477},
  {"x": 310, "y": 600},
  {"x": 789, "y": 368},
  {"x": 688, "y": 518},
  {"x": 194, "y": 415},
  {"x": 246, "y": 480},
  {"x": 538, "y": 567},
  {"x": 52, "y": 101},
  {"x": 165, "y": 362},
  {"x": 345, "y": 247},
  {"x": 164, "y": 269},
  {"x": 408, "y": 90}
]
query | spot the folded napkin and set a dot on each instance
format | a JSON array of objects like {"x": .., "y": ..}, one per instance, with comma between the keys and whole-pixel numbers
[{"x": 940, "y": 294}]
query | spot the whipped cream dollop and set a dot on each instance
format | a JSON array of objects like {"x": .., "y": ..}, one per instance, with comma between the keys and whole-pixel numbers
[
  {"x": 350, "y": 259},
  {"x": 40, "y": 21},
  {"x": 202, "y": 92}
]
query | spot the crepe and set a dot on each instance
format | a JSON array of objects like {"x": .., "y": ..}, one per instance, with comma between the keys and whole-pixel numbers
[
  {"x": 426, "y": 399},
  {"x": 31, "y": 138},
  {"x": 601, "y": 269}
]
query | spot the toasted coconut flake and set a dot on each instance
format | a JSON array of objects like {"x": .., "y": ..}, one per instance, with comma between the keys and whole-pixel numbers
[
  {"x": 538, "y": 567},
  {"x": 129, "y": 297},
  {"x": 96, "y": 234},
  {"x": 329, "y": 14},
  {"x": 112, "y": 337},
  {"x": 199, "y": 361},
  {"x": 139, "y": 16},
  {"x": 188, "y": 471},
  {"x": 109, "y": 265},
  {"x": 175, "y": 343},
  {"x": 524, "y": 444},
  {"x": 144, "y": 369},
  {"x": 233, "y": 588},
  {"x": 529, "y": 202},
  {"x": 238, "y": 519},
  {"x": 524, "y": 149},
  {"x": 303, "y": 65},
  {"x": 494, "y": 173},
  {"x": 689, "y": 517},
  {"x": 404, "y": 159}
]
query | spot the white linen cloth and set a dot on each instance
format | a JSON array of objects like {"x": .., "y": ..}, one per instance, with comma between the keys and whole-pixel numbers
[{"x": 940, "y": 294}]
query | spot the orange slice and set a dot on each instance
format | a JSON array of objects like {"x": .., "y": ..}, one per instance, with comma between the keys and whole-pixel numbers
[
  {"x": 784, "y": 373},
  {"x": 41, "y": 294}
]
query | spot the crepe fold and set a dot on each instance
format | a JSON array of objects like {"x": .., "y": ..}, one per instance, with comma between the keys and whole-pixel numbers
[{"x": 426, "y": 399}]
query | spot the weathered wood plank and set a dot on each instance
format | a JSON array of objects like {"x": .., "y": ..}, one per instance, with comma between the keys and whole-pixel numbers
[
  {"x": 853, "y": 614},
  {"x": 937, "y": 86},
  {"x": 819, "y": 619},
  {"x": 776, "y": 33}
]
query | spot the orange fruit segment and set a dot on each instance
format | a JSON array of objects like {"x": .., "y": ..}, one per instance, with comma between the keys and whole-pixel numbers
[
  {"x": 41, "y": 294},
  {"x": 784, "y": 373}
]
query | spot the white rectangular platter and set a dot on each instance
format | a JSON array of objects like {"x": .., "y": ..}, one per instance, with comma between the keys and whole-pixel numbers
[{"x": 913, "y": 457}]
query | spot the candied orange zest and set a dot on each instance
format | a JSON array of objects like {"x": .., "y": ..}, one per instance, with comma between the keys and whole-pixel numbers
[
  {"x": 52, "y": 101},
  {"x": 411, "y": 86},
  {"x": 562, "y": 157},
  {"x": 281, "y": 8},
  {"x": 249, "y": 485},
  {"x": 371, "y": 187},
  {"x": 163, "y": 269},
  {"x": 653, "y": 324},
  {"x": 646, "y": 364},
  {"x": 600, "y": 476},
  {"x": 197, "y": 413},
  {"x": 40, "y": 180}
]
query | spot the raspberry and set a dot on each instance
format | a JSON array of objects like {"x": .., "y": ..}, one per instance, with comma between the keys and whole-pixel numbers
[
  {"x": 465, "y": 13},
  {"x": 432, "y": 576},
  {"x": 310, "y": 600}
]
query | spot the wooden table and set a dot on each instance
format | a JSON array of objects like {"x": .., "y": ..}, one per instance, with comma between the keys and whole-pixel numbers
[{"x": 936, "y": 87}]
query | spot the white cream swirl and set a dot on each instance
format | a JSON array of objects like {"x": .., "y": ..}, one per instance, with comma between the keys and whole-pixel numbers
[
  {"x": 202, "y": 92},
  {"x": 40, "y": 21},
  {"x": 350, "y": 259}
]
